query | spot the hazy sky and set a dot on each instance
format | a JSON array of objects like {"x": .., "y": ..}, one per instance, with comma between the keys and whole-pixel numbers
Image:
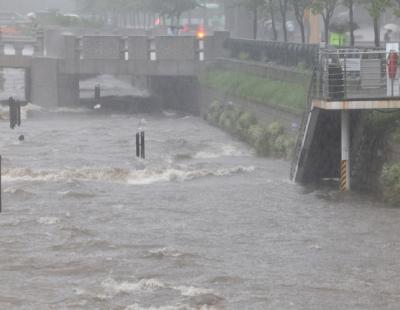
[{"x": 25, "y": 6}]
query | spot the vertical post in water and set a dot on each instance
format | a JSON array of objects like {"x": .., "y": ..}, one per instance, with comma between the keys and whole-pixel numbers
[
  {"x": 345, "y": 162},
  {"x": 1, "y": 189},
  {"x": 137, "y": 145},
  {"x": 97, "y": 94},
  {"x": 142, "y": 144}
]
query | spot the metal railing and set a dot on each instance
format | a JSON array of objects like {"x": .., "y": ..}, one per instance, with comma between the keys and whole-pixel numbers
[{"x": 346, "y": 74}]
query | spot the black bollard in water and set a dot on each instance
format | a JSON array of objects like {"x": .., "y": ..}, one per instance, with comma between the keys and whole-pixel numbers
[
  {"x": 15, "y": 112},
  {"x": 97, "y": 93},
  {"x": 137, "y": 145},
  {"x": 142, "y": 144},
  {"x": 18, "y": 113},
  {"x": 12, "y": 112}
]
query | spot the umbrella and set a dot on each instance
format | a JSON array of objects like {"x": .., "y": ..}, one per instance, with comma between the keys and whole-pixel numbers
[{"x": 393, "y": 27}]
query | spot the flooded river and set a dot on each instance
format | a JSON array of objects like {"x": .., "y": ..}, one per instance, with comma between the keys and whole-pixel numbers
[{"x": 202, "y": 223}]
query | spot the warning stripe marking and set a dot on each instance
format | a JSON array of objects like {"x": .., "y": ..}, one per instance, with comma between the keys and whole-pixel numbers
[{"x": 343, "y": 176}]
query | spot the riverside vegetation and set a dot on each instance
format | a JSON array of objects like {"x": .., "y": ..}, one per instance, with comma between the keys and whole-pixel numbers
[
  {"x": 289, "y": 96},
  {"x": 267, "y": 141},
  {"x": 384, "y": 133},
  {"x": 390, "y": 177}
]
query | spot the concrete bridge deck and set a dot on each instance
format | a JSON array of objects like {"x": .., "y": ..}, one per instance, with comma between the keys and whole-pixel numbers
[
  {"x": 57, "y": 62},
  {"x": 112, "y": 54}
]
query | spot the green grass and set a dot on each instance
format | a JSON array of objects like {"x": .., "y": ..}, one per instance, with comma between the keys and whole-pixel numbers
[{"x": 292, "y": 96}]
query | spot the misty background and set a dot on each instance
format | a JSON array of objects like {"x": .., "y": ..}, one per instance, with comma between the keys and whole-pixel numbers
[{"x": 26, "y": 6}]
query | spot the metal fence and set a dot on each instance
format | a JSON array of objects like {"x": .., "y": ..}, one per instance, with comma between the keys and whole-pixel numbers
[
  {"x": 284, "y": 53},
  {"x": 346, "y": 74}
]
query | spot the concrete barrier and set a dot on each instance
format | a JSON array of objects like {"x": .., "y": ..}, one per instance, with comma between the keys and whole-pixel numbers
[
  {"x": 176, "y": 48},
  {"x": 102, "y": 47}
]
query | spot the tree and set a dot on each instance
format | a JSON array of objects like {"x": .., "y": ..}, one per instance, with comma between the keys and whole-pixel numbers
[
  {"x": 254, "y": 6},
  {"x": 325, "y": 8},
  {"x": 397, "y": 8},
  {"x": 350, "y": 5},
  {"x": 273, "y": 24},
  {"x": 300, "y": 6},
  {"x": 375, "y": 9},
  {"x": 283, "y": 8},
  {"x": 172, "y": 8}
]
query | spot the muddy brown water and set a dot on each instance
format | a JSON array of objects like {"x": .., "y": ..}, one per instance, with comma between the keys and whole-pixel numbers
[{"x": 202, "y": 223}]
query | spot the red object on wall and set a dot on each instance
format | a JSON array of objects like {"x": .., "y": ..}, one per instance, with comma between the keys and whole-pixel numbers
[
  {"x": 392, "y": 63},
  {"x": 8, "y": 30}
]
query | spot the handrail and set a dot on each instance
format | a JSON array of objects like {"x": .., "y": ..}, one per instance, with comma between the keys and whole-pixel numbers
[{"x": 302, "y": 133}]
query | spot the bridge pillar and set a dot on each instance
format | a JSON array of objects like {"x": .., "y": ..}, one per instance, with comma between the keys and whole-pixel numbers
[
  {"x": 44, "y": 85},
  {"x": 345, "y": 168},
  {"x": 68, "y": 90},
  {"x": 49, "y": 87}
]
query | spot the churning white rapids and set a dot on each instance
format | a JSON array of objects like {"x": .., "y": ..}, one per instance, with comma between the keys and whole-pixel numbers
[{"x": 202, "y": 223}]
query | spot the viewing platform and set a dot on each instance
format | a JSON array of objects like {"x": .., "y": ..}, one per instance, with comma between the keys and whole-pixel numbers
[{"x": 345, "y": 82}]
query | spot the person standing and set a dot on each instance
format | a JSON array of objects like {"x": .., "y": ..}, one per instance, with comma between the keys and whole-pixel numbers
[{"x": 388, "y": 36}]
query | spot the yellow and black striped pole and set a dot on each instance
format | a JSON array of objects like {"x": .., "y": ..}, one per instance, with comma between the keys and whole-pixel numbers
[
  {"x": 344, "y": 186},
  {"x": 345, "y": 162}
]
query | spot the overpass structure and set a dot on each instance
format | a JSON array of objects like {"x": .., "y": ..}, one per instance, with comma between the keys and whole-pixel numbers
[
  {"x": 332, "y": 138},
  {"x": 57, "y": 61}
]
